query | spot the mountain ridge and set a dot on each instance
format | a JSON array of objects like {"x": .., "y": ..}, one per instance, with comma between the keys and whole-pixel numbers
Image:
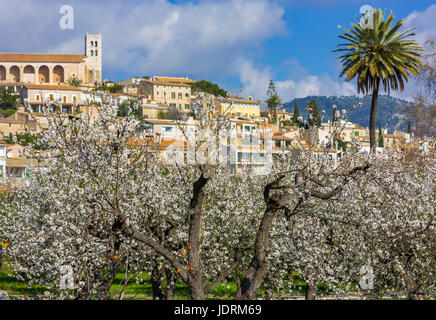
[{"x": 390, "y": 110}]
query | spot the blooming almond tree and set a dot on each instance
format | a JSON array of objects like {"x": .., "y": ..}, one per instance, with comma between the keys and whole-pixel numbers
[
  {"x": 105, "y": 201},
  {"x": 394, "y": 206}
]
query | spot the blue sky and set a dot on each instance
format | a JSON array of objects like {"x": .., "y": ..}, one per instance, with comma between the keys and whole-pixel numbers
[{"x": 240, "y": 44}]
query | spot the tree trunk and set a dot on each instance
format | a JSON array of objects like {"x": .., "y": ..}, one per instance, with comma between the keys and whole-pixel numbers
[
  {"x": 258, "y": 267},
  {"x": 311, "y": 291},
  {"x": 195, "y": 282},
  {"x": 104, "y": 289},
  {"x": 411, "y": 285},
  {"x": 171, "y": 285},
  {"x": 156, "y": 282},
  {"x": 373, "y": 117}
]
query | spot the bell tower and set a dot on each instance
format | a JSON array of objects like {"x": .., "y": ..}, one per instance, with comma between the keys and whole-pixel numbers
[{"x": 93, "y": 51}]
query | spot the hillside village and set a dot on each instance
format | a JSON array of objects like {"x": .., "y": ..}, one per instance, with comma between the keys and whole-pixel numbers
[{"x": 72, "y": 84}]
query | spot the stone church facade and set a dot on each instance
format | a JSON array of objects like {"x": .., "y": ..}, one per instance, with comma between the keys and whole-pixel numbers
[{"x": 54, "y": 69}]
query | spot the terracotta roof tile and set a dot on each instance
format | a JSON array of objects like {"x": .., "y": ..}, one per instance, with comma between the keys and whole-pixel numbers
[
  {"x": 166, "y": 83},
  {"x": 41, "y": 57},
  {"x": 171, "y": 79},
  {"x": 243, "y": 101},
  {"x": 50, "y": 87}
]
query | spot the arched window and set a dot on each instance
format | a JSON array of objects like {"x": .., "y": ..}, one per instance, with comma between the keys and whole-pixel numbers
[
  {"x": 96, "y": 44},
  {"x": 96, "y": 53},
  {"x": 92, "y": 53},
  {"x": 58, "y": 74},
  {"x": 2, "y": 73},
  {"x": 92, "y": 43},
  {"x": 44, "y": 74},
  {"x": 14, "y": 74}
]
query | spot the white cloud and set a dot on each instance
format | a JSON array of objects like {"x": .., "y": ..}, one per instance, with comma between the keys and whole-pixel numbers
[
  {"x": 147, "y": 37},
  {"x": 424, "y": 21},
  {"x": 255, "y": 83},
  {"x": 425, "y": 24}
]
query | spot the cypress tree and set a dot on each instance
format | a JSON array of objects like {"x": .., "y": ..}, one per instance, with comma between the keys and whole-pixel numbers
[
  {"x": 296, "y": 114},
  {"x": 409, "y": 127},
  {"x": 381, "y": 140}
]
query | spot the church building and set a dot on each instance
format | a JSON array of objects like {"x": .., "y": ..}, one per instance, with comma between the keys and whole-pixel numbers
[{"x": 54, "y": 69}]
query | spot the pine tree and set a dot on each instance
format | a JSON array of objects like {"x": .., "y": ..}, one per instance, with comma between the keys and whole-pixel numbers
[
  {"x": 296, "y": 115},
  {"x": 381, "y": 140},
  {"x": 273, "y": 100}
]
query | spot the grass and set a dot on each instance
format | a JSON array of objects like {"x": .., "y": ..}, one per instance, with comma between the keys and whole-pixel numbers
[
  {"x": 15, "y": 287},
  {"x": 143, "y": 291}
]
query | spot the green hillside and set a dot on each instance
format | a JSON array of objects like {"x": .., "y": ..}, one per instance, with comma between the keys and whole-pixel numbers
[{"x": 390, "y": 110}]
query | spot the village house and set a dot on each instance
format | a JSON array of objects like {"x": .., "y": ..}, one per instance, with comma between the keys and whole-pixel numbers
[
  {"x": 166, "y": 129},
  {"x": 282, "y": 116},
  {"x": 175, "y": 94},
  {"x": 240, "y": 107},
  {"x": 37, "y": 95}
]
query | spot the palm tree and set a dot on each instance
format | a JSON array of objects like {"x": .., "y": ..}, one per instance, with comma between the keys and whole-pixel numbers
[{"x": 377, "y": 54}]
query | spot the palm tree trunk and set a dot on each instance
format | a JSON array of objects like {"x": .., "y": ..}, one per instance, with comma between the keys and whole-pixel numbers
[{"x": 373, "y": 117}]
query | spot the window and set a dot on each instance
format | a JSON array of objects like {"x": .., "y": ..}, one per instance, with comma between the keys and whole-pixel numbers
[
  {"x": 186, "y": 106},
  {"x": 247, "y": 128},
  {"x": 64, "y": 99},
  {"x": 96, "y": 43},
  {"x": 173, "y": 95},
  {"x": 157, "y": 93},
  {"x": 51, "y": 97},
  {"x": 96, "y": 53},
  {"x": 186, "y": 95},
  {"x": 243, "y": 157},
  {"x": 180, "y": 106},
  {"x": 167, "y": 129},
  {"x": 92, "y": 43},
  {"x": 37, "y": 97},
  {"x": 356, "y": 133},
  {"x": 180, "y": 95},
  {"x": 92, "y": 53}
]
